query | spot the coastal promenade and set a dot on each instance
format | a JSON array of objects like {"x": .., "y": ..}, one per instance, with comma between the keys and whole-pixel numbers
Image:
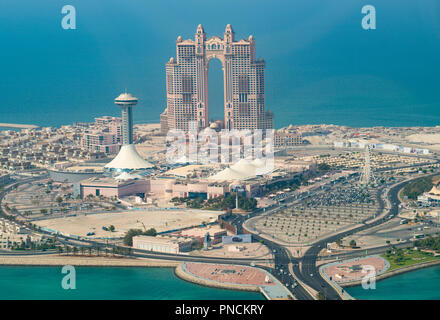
[
  {"x": 338, "y": 274},
  {"x": 63, "y": 260},
  {"x": 394, "y": 272},
  {"x": 352, "y": 270},
  {"x": 234, "y": 277}
]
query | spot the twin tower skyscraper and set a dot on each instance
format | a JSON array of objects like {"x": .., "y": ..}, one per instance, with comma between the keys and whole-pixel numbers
[
  {"x": 187, "y": 92},
  {"x": 187, "y": 83}
]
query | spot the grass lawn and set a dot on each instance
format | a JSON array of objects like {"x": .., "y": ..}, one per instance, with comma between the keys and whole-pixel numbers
[{"x": 410, "y": 257}]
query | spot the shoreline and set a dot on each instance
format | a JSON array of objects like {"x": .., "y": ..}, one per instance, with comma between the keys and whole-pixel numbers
[
  {"x": 57, "y": 260},
  {"x": 18, "y": 126},
  {"x": 85, "y": 261},
  {"x": 181, "y": 274},
  {"x": 109, "y": 262}
]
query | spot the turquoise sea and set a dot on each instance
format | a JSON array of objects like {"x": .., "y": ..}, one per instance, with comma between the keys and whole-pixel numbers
[
  {"x": 422, "y": 284},
  {"x": 321, "y": 66},
  {"x": 18, "y": 282}
]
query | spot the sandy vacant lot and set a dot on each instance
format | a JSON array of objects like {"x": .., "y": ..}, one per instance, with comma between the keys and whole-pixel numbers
[
  {"x": 251, "y": 250},
  {"x": 161, "y": 220},
  {"x": 424, "y": 138}
]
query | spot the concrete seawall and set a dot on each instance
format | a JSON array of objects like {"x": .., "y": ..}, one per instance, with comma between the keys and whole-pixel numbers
[
  {"x": 62, "y": 260},
  {"x": 188, "y": 277},
  {"x": 57, "y": 260},
  {"x": 277, "y": 292}
]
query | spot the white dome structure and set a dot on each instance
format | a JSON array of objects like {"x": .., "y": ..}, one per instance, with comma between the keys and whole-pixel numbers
[
  {"x": 126, "y": 99},
  {"x": 243, "y": 170},
  {"x": 128, "y": 159}
]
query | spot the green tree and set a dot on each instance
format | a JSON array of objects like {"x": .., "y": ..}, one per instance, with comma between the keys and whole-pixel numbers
[
  {"x": 59, "y": 199},
  {"x": 414, "y": 189},
  {"x": 323, "y": 167},
  {"x": 128, "y": 238}
]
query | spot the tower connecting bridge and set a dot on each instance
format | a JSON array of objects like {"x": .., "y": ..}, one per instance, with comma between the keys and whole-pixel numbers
[{"x": 243, "y": 79}]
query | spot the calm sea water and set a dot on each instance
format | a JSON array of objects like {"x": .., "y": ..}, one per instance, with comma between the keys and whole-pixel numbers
[
  {"x": 322, "y": 67},
  {"x": 108, "y": 283},
  {"x": 423, "y": 284}
]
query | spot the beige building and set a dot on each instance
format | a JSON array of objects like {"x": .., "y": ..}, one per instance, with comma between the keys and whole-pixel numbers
[{"x": 162, "y": 244}]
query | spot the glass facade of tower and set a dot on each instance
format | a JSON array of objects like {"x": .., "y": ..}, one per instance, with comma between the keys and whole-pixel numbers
[{"x": 187, "y": 83}]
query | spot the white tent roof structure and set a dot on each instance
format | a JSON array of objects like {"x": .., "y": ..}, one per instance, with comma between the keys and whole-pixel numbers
[
  {"x": 243, "y": 170},
  {"x": 127, "y": 176},
  {"x": 229, "y": 174},
  {"x": 128, "y": 159}
]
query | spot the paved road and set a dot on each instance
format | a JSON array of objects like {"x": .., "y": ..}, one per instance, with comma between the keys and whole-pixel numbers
[
  {"x": 305, "y": 268},
  {"x": 282, "y": 257},
  {"x": 310, "y": 272}
]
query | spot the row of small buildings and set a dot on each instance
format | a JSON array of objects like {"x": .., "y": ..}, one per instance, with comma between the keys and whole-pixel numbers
[
  {"x": 104, "y": 135},
  {"x": 42, "y": 147},
  {"x": 7, "y": 226},
  {"x": 14, "y": 235}
]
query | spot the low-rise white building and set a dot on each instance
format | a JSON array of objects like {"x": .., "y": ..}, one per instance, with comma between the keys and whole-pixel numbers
[{"x": 162, "y": 244}]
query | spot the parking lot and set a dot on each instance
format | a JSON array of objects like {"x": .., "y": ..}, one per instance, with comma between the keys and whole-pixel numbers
[
  {"x": 44, "y": 199},
  {"x": 321, "y": 214}
]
